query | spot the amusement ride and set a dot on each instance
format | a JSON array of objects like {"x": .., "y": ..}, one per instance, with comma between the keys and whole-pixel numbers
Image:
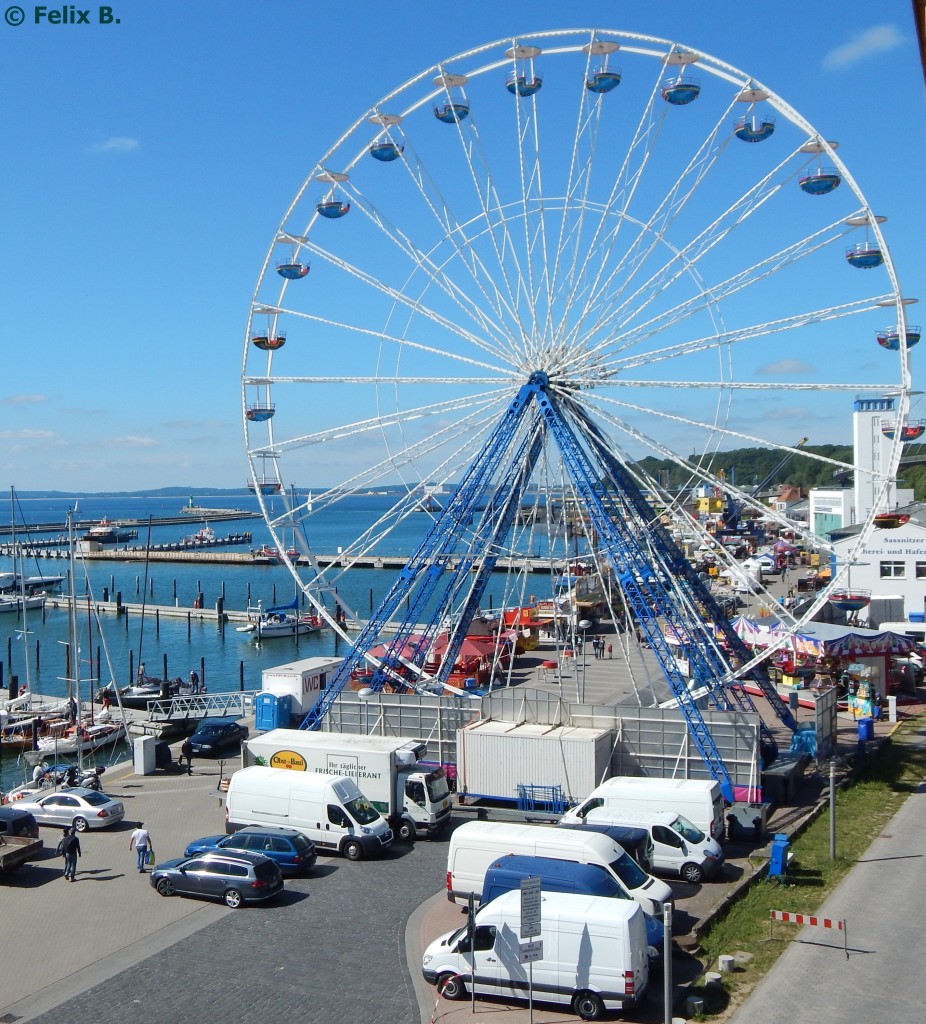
[{"x": 525, "y": 276}]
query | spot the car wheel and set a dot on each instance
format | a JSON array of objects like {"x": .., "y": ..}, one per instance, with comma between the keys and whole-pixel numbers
[
  {"x": 406, "y": 832},
  {"x": 81, "y": 824},
  {"x": 165, "y": 887},
  {"x": 451, "y": 986},
  {"x": 588, "y": 1006},
  {"x": 692, "y": 873},
  {"x": 353, "y": 850},
  {"x": 233, "y": 899}
]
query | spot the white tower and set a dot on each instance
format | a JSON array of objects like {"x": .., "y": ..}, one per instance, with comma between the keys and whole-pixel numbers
[{"x": 872, "y": 455}]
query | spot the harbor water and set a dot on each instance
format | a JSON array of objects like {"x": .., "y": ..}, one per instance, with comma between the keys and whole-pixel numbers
[{"x": 36, "y": 652}]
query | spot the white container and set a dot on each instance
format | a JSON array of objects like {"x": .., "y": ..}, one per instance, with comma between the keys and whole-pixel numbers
[
  {"x": 302, "y": 680},
  {"x": 143, "y": 755},
  {"x": 493, "y": 758}
]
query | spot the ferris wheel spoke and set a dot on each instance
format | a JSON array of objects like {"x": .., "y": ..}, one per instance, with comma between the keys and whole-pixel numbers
[
  {"x": 686, "y": 260},
  {"x": 393, "y": 339},
  {"x": 748, "y": 333},
  {"x": 476, "y": 406},
  {"x": 402, "y": 300},
  {"x": 605, "y": 296},
  {"x": 467, "y": 256},
  {"x": 710, "y": 294}
]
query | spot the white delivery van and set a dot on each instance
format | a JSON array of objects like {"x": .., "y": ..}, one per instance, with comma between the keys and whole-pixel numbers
[
  {"x": 679, "y": 847},
  {"x": 700, "y": 800},
  {"x": 593, "y": 958},
  {"x": 328, "y": 809},
  {"x": 477, "y": 844}
]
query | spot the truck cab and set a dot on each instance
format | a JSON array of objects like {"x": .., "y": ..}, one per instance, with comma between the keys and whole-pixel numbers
[{"x": 425, "y": 805}]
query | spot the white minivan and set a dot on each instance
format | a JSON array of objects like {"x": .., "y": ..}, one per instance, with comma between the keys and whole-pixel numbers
[
  {"x": 478, "y": 844},
  {"x": 679, "y": 847},
  {"x": 700, "y": 800},
  {"x": 593, "y": 958},
  {"x": 328, "y": 809}
]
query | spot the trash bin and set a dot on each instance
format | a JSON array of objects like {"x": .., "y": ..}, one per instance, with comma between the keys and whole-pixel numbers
[
  {"x": 793, "y": 698},
  {"x": 163, "y": 755},
  {"x": 866, "y": 729}
]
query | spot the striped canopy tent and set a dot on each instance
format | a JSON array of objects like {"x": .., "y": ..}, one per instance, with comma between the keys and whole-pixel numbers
[{"x": 824, "y": 639}]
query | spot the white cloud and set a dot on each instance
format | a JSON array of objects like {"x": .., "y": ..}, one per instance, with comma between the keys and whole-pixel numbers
[
  {"x": 133, "y": 441},
  {"x": 878, "y": 39},
  {"x": 116, "y": 144},
  {"x": 27, "y": 435},
  {"x": 24, "y": 399},
  {"x": 786, "y": 368}
]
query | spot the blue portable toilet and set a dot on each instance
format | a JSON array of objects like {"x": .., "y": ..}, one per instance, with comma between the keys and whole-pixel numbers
[
  {"x": 781, "y": 856},
  {"x": 271, "y": 711}
]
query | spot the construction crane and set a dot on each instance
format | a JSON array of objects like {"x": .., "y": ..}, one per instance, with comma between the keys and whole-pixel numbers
[{"x": 733, "y": 508}]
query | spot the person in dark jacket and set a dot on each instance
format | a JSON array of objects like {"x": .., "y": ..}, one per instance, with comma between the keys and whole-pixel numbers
[{"x": 70, "y": 847}]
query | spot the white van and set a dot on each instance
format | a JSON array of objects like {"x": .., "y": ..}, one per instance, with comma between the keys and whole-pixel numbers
[
  {"x": 477, "y": 844},
  {"x": 329, "y": 809},
  {"x": 700, "y": 800},
  {"x": 679, "y": 847},
  {"x": 594, "y": 954}
]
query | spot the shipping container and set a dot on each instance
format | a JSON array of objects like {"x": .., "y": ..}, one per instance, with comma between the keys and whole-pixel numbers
[{"x": 495, "y": 758}]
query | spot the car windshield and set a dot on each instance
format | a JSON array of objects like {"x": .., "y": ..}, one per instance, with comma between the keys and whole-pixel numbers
[
  {"x": 301, "y": 843},
  {"x": 95, "y": 799},
  {"x": 266, "y": 871},
  {"x": 687, "y": 830},
  {"x": 362, "y": 811},
  {"x": 210, "y": 732},
  {"x": 437, "y": 787},
  {"x": 628, "y": 871}
]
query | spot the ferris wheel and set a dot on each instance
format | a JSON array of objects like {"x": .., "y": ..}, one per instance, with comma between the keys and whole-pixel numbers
[{"x": 554, "y": 267}]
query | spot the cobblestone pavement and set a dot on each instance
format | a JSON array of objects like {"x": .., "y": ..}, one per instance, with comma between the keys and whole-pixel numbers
[{"x": 332, "y": 949}]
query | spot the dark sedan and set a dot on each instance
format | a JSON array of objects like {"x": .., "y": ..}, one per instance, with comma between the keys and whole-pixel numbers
[
  {"x": 285, "y": 846},
  {"x": 215, "y": 737},
  {"x": 233, "y": 877}
]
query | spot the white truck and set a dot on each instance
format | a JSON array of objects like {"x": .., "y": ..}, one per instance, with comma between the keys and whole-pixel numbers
[{"x": 411, "y": 799}]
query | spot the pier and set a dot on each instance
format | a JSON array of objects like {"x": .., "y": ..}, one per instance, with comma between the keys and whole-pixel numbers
[
  {"x": 186, "y": 553},
  {"x": 212, "y": 515}
]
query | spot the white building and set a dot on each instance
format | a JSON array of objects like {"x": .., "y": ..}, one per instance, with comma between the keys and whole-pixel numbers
[{"x": 893, "y": 567}]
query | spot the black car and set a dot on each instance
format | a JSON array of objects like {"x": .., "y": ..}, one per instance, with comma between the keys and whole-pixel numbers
[
  {"x": 291, "y": 850},
  {"x": 234, "y": 877},
  {"x": 213, "y": 736},
  {"x": 16, "y": 822}
]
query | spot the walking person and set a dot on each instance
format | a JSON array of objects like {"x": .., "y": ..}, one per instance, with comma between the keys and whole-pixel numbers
[
  {"x": 194, "y": 682},
  {"x": 186, "y": 751},
  {"x": 140, "y": 840},
  {"x": 70, "y": 848}
]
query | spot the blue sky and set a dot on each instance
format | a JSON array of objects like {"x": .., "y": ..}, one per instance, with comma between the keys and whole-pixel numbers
[{"x": 147, "y": 165}]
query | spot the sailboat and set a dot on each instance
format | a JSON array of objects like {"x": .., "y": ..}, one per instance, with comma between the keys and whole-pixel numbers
[
  {"x": 17, "y": 598},
  {"x": 76, "y": 735}
]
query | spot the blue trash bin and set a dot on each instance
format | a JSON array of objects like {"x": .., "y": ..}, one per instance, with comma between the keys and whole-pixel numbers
[{"x": 866, "y": 729}]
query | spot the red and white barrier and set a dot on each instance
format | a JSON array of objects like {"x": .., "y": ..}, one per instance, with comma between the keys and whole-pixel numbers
[{"x": 812, "y": 921}]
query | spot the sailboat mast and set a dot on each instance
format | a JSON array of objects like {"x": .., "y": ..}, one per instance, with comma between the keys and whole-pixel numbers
[{"x": 73, "y": 643}]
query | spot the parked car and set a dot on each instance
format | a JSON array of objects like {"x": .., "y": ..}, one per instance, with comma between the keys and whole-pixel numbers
[
  {"x": 78, "y": 806},
  {"x": 214, "y": 736},
  {"x": 235, "y": 877},
  {"x": 14, "y": 821},
  {"x": 289, "y": 849}
]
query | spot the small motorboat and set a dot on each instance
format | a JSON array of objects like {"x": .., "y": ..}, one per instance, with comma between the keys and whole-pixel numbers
[{"x": 278, "y": 622}]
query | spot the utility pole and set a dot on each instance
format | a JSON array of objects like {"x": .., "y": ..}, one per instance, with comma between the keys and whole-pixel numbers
[
  {"x": 667, "y": 963},
  {"x": 833, "y": 809}
]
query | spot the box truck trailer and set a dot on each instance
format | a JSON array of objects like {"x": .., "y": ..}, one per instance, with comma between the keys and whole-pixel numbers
[{"x": 411, "y": 798}]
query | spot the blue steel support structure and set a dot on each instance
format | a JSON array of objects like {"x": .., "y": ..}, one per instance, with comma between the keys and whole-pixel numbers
[
  {"x": 656, "y": 579},
  {"x": 624, "y": 537},
  {"x": 434, "y": 558},
  {"x": 699, "y": 597}
]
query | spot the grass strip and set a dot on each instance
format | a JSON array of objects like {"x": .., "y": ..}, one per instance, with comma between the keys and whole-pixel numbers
[{"x": 865, "y": 802}]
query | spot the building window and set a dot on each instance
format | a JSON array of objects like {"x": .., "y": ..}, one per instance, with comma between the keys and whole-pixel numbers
[
  {"x": 893, "y": 570},
  {"x": 921, "y": 570}
]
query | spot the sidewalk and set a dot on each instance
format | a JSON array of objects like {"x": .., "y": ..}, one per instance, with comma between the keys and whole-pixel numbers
[{"x": 60, "y": 939}]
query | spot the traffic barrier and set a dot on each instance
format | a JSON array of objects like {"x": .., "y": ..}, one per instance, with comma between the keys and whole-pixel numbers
[{"x": 813, "y": 921}]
